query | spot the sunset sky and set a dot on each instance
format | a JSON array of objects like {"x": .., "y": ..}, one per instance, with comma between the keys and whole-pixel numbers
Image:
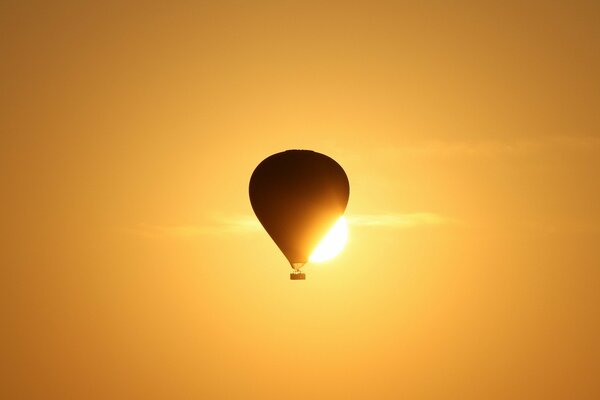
[{"x": 133, "y": 267}]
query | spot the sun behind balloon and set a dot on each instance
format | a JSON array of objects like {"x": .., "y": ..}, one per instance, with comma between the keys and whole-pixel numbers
[{"x": 332, "y": 244}]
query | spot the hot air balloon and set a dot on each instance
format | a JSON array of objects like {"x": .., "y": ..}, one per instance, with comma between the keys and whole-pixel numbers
[{"x": 298, "y": 195}]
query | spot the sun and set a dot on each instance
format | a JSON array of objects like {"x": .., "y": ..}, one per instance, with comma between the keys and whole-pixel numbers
[{"x": 332, "y": 244}]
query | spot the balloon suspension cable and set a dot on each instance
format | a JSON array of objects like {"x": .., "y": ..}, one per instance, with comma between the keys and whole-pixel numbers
[
  {"x": 297, "y": 265},
  {"x": 297, "y": 275}
]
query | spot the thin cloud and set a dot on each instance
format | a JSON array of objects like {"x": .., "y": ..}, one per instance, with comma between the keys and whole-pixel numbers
[
  {"x": 396, "y": 220},
  {"x": 215, "y": 226},
  {"x": 493, "y": 148},
  {"x": 245, "y": 224}
]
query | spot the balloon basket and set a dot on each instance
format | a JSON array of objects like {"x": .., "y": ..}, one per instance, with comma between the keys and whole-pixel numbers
[{"x": 297, "y": 276}]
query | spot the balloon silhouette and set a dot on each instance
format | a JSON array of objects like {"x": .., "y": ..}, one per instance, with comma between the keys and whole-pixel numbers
[{"x": 298, "y": 195}]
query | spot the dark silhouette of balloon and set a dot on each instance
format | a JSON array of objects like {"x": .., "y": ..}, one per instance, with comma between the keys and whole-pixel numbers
[{"x": 298, "y": 195}]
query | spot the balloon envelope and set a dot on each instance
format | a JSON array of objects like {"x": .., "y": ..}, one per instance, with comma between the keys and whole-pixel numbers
[{"x": 298, "y": 195}]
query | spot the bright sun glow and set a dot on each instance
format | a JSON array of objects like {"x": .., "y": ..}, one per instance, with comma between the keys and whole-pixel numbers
[{"x": 333, "y": 243}]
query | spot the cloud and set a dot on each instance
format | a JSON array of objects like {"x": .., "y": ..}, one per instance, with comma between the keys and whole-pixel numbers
[
  {"x": 493, "y": 148},
  {"x": 395, "y": 220},
  {"x": 245, "y": 224},
  {"x": 214, "y": 226}
]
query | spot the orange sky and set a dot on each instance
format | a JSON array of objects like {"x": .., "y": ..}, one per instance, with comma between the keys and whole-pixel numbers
[{"x": 132, "y": 265}]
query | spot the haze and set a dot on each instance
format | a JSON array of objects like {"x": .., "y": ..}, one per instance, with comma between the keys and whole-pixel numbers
[{"x": 132, "y": 265}]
